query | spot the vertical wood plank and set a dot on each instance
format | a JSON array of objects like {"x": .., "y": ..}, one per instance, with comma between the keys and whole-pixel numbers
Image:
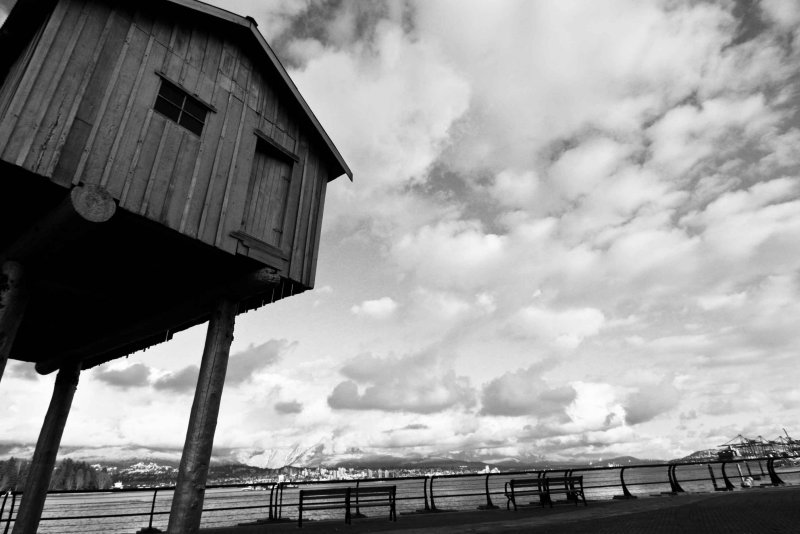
[
  {"x": 311, "y": 222},
  {"x": 110, "y": 86},
  {"x": 235, "y": 165},
  {"x": 127, "y": 113},
  {"x": 221, "y": 143},
  {"x": 134, "y": 164},
  {"x": 167, "y": 171},
  {"x": 172, "y": 207},
  {"x": 50, "y": 89},
  {"x": 151, "y": 178},
  {"x": 207, "y": 158},
  {"x": 311, "y": 275},
  {"x": 87, "y": 77},
  {"x": 301, "y": 225},
  {"x": 12, "y": 116},
  {"x": 293, "y": 196}
]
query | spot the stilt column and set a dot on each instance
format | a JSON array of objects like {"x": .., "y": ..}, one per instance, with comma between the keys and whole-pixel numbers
[
  {"x": 13, "y": 299},
  {"x": 44, "y": 457},
  {"x": 187, "y": 503}
]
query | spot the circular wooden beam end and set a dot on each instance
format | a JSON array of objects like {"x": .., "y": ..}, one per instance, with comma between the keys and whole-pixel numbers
[{"x": 93, "y": 203}]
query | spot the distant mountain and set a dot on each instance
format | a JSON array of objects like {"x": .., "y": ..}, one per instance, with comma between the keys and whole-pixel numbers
[{"x": 315, "y": 455}]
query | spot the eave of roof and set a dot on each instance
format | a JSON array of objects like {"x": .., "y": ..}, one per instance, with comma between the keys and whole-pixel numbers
[{"x": 250, "y": 24}]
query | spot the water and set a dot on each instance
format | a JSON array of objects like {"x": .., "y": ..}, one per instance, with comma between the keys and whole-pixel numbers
[{"x": 226, "y": 507}]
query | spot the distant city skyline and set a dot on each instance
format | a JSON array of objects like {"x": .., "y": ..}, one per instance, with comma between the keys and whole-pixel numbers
[{"x": 574, "y": 232}]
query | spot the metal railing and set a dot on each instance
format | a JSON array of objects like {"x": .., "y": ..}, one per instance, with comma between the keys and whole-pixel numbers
[{"x": 415, "y": 494}]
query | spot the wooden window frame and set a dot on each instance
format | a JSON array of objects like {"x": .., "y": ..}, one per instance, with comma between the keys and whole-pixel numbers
[{"x": 183, "y": 108}]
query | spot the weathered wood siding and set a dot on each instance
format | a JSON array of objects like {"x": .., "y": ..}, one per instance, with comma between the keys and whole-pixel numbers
[{"x": 80, "y": 110}]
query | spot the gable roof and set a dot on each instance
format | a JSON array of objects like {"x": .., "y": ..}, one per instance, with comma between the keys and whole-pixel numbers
[
  {"x": 249, "y": 24},
  {"x": 246, "y": 24}
]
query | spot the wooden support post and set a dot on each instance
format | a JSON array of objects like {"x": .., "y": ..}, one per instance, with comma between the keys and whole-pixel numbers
[
  {"x": 187, "y": 503},
  {"x": 44, "y": 457},
  {"x": 13, "y": 299}
]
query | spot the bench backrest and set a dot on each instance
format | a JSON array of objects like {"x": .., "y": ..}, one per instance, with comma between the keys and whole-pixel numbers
[
  {"x": 526, "y": 483},
  {"x": 566, "y": 481},
  {"x": 322, "y": 494},
  {"x": 375, "y": 490}
]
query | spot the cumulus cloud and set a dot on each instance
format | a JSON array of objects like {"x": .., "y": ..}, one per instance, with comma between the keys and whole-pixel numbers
[
  {"x": 650, "y": 402},
  {"x": 289, "y": 407},
  {"x": 244, "y": 364},
  {"x": 23, "y": 370},
  {"x": 523, "y": 392},
  {"x": 564, "y": 328},
  {"x": 181, "y": 381},
  {"x": 136, "y": 375},
  {"x": 451, "y": 253},
  {"x": 381, "y": 308},
  {"x": 418, "y": 383}
]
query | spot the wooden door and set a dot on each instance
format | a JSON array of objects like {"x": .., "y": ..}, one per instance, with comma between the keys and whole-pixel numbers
[{"x": 268, "y": 192}]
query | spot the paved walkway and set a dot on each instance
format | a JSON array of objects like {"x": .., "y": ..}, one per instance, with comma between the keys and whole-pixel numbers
[{"x": 753, "y": 511}]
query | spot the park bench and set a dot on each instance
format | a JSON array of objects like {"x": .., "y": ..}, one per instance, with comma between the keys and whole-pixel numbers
[
  {"x": 374, "y": 496},
  {"x": 524, "y": 487},
  {"x": 544, "y": 488},
  {"x": 324, "y": 499},
  {"x": 571, "y": 487},
  {"x": 344, "y": 498}
]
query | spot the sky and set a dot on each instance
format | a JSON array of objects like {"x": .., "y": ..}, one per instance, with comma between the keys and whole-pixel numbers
[{"x": 574, "y": 232}]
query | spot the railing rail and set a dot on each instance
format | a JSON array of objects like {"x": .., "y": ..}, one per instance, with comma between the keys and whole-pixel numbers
[{"x": 436, "y": 488}]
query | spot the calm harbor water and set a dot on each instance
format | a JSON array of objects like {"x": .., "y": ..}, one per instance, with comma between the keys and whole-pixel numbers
[{"x": 224, "y": 507}]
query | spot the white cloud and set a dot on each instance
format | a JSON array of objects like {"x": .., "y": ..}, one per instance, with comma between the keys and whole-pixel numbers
[
  {"x": 381, "y": 308},
  {"x": 451, "y": 253},
  {"x": 563, "y": 328}
]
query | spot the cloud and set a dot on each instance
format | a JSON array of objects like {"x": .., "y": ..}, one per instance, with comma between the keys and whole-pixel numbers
[
  {"x": 564, "y": 328},
  {"x": 651, "y": 401},
  {"x": 23, "y": 370},
  {"x": 288, "y": 407},
  {"x": 381, "y": 308},
  {"x": 523, "y": 392},
  {"x": 181, "y": 381},
  {"x": 244, "y": 364},
  {"x": 132, "y": 376},
  {"x": 418, "y": 383},
  {"x": 451, "y": 254}
]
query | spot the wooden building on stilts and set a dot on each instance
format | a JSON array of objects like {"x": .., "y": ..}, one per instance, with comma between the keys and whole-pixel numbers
[{"x": 158, "y": 169}]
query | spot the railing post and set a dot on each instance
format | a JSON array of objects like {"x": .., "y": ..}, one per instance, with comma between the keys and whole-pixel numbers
[
  {"x": 280, "y": 496},
  {"x": 489, "y": 504},
  {"x": 728, "y": 485},
  {"x": 625, "y": 493},
  {"x": 713, "y": 478},
  {"x": 358, "y": 511},
  {"x": 153, "y": 508},
  {"x": 152, "y": 511},
  {"x": 676, "y": 485},
  {"x": 433, "y": 504},
  {"x": 271, "y": 493},
  {"x": 10, "y": 511},
  {"x": 427, "y": 508},
  {"x": 773, "y": 476}
]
